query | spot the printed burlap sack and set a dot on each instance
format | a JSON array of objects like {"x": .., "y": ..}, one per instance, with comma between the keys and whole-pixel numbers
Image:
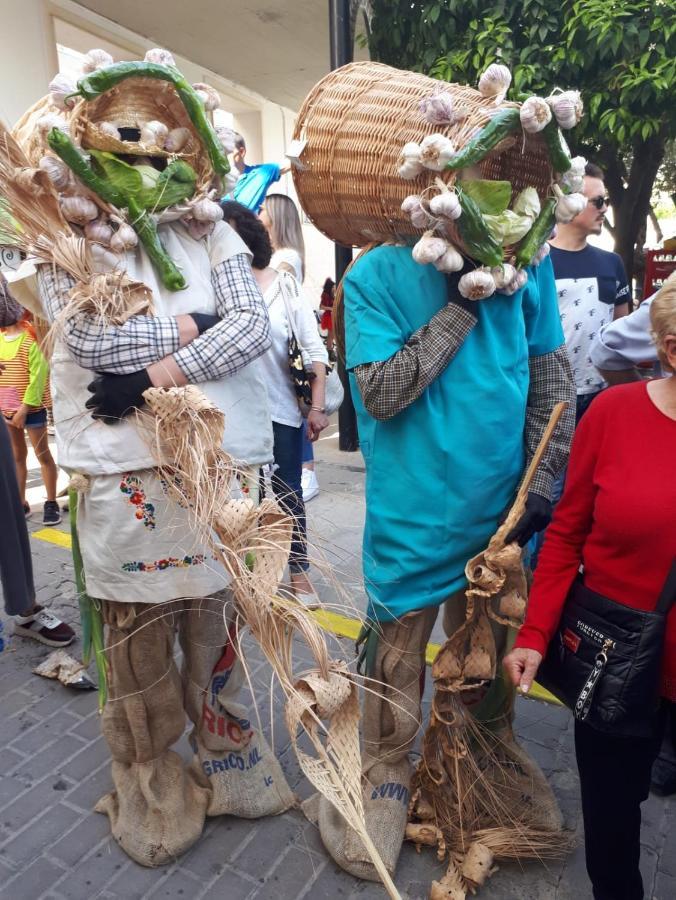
[{"x": 391, "y": 718}]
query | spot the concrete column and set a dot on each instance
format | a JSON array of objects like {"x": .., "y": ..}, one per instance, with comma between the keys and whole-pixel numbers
[{"x": 28, "y": 59}]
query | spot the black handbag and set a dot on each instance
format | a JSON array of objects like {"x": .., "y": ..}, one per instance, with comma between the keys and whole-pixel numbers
[{"x": 604, "y": 661}]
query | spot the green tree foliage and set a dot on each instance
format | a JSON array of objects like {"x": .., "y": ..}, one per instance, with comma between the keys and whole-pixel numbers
[{"x": 620, "y": 53}]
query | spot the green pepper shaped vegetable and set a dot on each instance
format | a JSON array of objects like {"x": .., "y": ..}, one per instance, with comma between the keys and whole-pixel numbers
[
  {"x": 529, "y": 245},
  {"x": 62, "y": 145},
  {"x": 479, "y": 242},
  {"x": 500, "y": 126},
  {"x": 144, "y": 226},
  {"x": 97, "y": 83},
  {"x": 559, "y": 155}
]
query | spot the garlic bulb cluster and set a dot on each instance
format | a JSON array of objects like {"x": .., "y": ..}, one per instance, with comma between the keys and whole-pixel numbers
[
  {"x": 108, "y": 128},
  {"x": 176, "y": 140},
  {"x": 415, "y": 210},
  {"x": 446, "y": 204},
  {"x": 440, "y": 109},
  {"x": 535, "y": 114},
  {"x": 573, "y": 179},
  {"x": 477, "y": 285},
  {"x": 57, "y": 171},
  {"x": 227, "y": 137},
  {"x": 52, "y": 120},
  {"x": 160, "y": 56},
  {"x": 197, "y": 229},
  {"x": 515, "y": 284},
  {"x": 503, "y": 275},
  {"x": 98, "y": 232},
  {"x": 124, "y": 239},
  {"x": 567, "y": 107},
  {"x": 568, "y": 205},
  {"x": 435, "y": 151},
  {"x": 154, "y": 134},
  {"x": 409, "y": 164},
  {"x": 78, "y": 210},
  {"x": 542, "y": 253},
  {"x": 59, "y": 88},
  {"x": 449, "y": 261},
  {"x": 96, "y": 59},
  {"x": 205, "y": 210},
  {"x": 429, "y": 248},
  {"x": 209, "y": 97},
  {"x": 495, "y": 82}
]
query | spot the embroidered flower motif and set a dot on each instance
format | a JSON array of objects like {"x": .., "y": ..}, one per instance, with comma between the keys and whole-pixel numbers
[
  {"x": 132, "y": 486},
  {"x": 160, "y": 565}
]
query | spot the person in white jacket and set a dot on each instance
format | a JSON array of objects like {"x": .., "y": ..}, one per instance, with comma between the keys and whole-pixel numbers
[{"x": 283, "y": 298}]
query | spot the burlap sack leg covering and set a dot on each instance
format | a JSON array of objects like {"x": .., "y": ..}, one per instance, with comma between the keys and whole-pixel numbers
[
  {"x": 232, "y": 759},
  {"x": 157, "y": 809},
  {"x": 517, "y": 778},
  {"x": 390, "y": 722}
]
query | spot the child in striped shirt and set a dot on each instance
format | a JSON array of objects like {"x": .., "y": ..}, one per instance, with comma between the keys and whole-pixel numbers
[{"x": 24, "y": 396}]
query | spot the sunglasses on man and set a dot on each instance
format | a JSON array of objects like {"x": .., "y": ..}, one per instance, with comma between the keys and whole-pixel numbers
[{"x": 599, "y": 202}]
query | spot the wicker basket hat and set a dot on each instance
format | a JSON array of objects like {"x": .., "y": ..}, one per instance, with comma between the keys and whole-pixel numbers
[{"x": 355, "y": 122}]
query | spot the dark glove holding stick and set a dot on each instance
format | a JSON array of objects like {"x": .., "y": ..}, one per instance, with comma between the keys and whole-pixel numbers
[
  {"x": 536, "y": 517},
  {"x": 115, "y": 396}
]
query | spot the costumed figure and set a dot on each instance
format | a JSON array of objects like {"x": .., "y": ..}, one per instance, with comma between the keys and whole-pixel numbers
[
  {"x": 457, "y": 362},
  {"x": 109, "y": 186}
]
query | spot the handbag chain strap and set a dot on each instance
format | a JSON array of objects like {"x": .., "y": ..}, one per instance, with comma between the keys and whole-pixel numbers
[{"x": 584, "y": 701}]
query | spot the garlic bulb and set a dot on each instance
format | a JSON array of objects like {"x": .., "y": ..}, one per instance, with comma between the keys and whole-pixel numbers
[
  {"x": 52, "y": 120},
  {"x": 57, "y": 171},
  {"x": 435, "y": 151},
  {"x": 154, "y": 134},
  {"x": 446, "y": 204},
  {"x": 503, "y": 275},
  {"x": 578, "y": 164},
  {"x": 495, "y": 82},
  {"x": 429, "y": 249},
  {"x": 519, "y": 280},
  {"x": 124, "y": 239},
  {"x": 227, "y": 137},
  {"x": 78, "y": 210},
  {"x": 176, "y": 140},
  {"x": 160, "y": 56},
  {"x": 477, "y": 285},
  {"x": 535, "y": 114},
  {"x": 568, "y": 206},
  {"x": 109, "y": 129},
  {"x": 439, "y": 109},
  {"x": 98, "y": 232},
  {"x": 567, "y": 107},
  {"x": 414, "y": 209},
  {"x": 59, "y": 88},
  {"x": 97, "y": 59},
  {"x": 409, "y": 164},
  {"x": 451, "y": 261},
  {"x": 207, "y": 211},
  {"x": 198, "y": 230},
  {"x": 574, "y": 183},
  {"x": 209, "y": 97},
  {"x": 541, "y": 254}
]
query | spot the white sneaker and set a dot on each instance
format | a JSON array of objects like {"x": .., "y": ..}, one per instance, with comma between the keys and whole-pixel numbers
[{"x": 309, "y": 484}]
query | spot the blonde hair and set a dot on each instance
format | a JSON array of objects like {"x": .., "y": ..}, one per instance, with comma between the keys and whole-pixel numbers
[
  {"x": 663, "y": 318},
  {"x": 285, "y": 227}
]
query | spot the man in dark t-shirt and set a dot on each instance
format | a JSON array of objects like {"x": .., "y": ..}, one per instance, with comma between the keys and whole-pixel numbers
[{"x": 591, "y": 285}]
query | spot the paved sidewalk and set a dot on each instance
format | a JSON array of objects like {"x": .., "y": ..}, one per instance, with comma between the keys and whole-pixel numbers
[{"x": 54, "y": 767}]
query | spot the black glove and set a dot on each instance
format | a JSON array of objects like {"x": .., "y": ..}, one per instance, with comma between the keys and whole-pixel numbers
[
  {"x": 204, "y": 321},
  {"x": 115, "y": 396},
  {"x": 536, "y": 517}
]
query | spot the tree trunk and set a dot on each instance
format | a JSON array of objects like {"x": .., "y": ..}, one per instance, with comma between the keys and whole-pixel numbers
[
  {"x": 659, "y": 236},
  {"x": 631, "y": 203}
]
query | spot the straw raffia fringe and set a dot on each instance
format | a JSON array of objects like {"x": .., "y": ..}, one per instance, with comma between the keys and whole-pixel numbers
[{"x": 454, "y": 807}]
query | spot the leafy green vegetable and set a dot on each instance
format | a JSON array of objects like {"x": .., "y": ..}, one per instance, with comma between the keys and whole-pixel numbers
[
  {"x": 492, "y": 197},
  {"x": 509, "y": 227},
  {"x": 125, "y": 178},
  {"x": 527, "y": 203},
  {"x": 150, "y": 188}
]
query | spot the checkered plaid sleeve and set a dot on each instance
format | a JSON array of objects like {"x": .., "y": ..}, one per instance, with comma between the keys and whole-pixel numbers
[
  {"x": 390, "y": 386},
  {"x": 242, "y": 335},
  {"x": 551, "y": 380},
  {"x": 101, "y": 347}
]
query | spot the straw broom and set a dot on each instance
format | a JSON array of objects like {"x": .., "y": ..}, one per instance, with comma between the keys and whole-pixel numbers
[{"x": 253, "y": 543}]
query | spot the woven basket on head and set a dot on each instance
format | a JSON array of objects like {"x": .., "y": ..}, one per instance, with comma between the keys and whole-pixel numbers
[{"x": 356, "y": 121}]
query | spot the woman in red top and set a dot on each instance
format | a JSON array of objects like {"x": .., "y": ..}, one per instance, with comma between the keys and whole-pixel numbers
[
  {"x": 616, "y": 518},
  {"x": 326, "y": 308}
]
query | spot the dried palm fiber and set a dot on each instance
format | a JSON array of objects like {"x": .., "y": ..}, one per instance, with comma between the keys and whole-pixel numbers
[
  {"x": 471, "y": 788},
  {"x": 356, "y": 121},
  {"x": 253, "y": 544}
]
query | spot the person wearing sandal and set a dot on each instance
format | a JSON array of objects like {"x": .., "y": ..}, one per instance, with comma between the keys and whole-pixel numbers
[{"x": 282, "y": 295}]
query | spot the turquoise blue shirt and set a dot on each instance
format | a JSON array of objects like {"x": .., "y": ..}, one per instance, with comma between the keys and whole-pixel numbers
[
  {"x": 254, "y": 183},
  {"x": 440, "y": 473}
]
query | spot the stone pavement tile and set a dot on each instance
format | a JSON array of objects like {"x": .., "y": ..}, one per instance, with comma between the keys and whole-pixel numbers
[
  {"x": 230, "y": 885},
  {"x": 295, "y": 875},
  {"x": 271, "y": 839},
  {"x": 665, "y": 887},
  {"x": 179, "y": 886},
  {"x": 89, "y": 758},
  {"x": 10, "y": 788},
  {"x": 209, "y": 857},
  {"x": 83, "y": 703},
  {"x": 87, "y": 794},
  {"x": 47, "y": 761},
  {"x": 332, "y": 883},
  {"x": 136, "y": 882},
  {"x": 17, "y": 701},
  {"x": 9, "y": 759},
  {"x": 92, "y": 873},
  {"x": 31, "y": 803},
  {"x": 45, "y": 732},
  {"x": 648, "y": 865},
  {"x": 667, "y": 830},
  {"x": 77, "y": 842},
  {"x": 90, "y": 727},
  {"x": 33, "y": 882},
  {"x": 39, "y": 834},
  {"x": 16, "y": 726}
]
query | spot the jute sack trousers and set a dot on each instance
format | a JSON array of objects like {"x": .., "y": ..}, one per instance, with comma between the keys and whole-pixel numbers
[
  {"x": 158, "y": 807},
  {"x": 391, "y": 719}
]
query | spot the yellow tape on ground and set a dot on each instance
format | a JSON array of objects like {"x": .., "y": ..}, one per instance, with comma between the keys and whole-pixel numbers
[{"x": 329, "y": 621}]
